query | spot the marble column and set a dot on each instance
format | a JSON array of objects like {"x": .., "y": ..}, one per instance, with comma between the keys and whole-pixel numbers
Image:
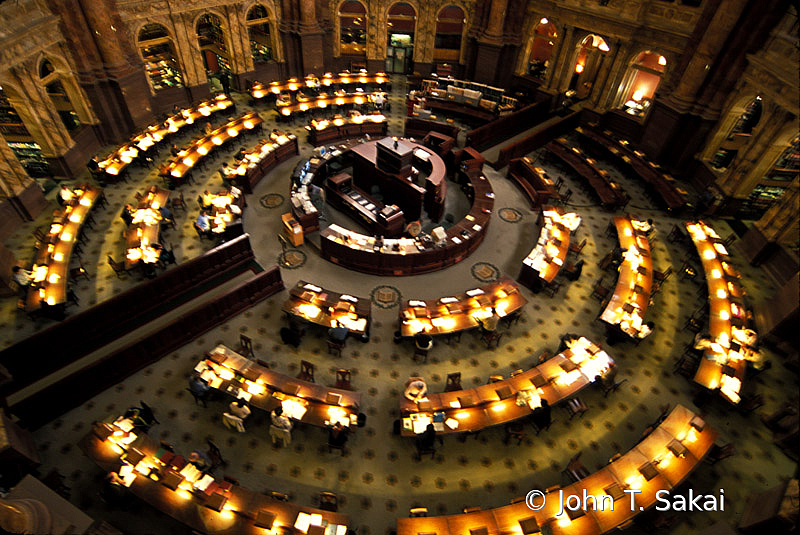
[{"x": 562, "y": 58}]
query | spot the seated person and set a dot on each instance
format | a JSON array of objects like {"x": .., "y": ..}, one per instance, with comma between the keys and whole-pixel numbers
[
  {"x": 415, "y": 389},
  {"x": 203, "y": 223},
  {"x": 379, "y": 101},
  {"x": 280, "y": 428},
  {"x": 490, "y": 324},
  {"x": 427, "y": 440},
  {"x": 174, "y": 150},
  {"x": 239, "y": 409},
  {"x": 127, "y": 214},
  {"x": 575, "y": 274},
  {"x": 166, "y": 214},
  {"x": 21, "y": 276},
  {"x": 645, "y": 330},
  {"x": 206, "y": 198},
  {"x": 207, "y": 129},
  {"x": 199, "y": 387},
  {"x": 226, "y": 172},
  {"x": 165, "y": 256},
  {"x": 423, "y": 341},
  {"x": 94, "y": 164},
  {"x": 65, "y": 195},
  {"x": 542, "y": 417},
  {"x": 200, "y": 460},
  {"x": 239, "y": 156},
  {"x": 113, "y": 491},
  {"x": 338, "y": 334},
  {"x": 566, "y": 341},
  {"x": 337, "y": 435}
]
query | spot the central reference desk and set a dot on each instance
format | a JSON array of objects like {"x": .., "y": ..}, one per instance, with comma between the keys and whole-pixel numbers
[{"x": 661, "y": 461}]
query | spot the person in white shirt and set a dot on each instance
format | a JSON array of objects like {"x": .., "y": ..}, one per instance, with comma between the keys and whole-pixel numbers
[
  {"x": 646, "y": 329},
  {"x": 65, "y": 195},
  {"x": 239, "y": 409},
  {"x": 378, "y": 100},
  {"x": 21, "y": 276},
  {"x": 415, "y": 389},
  {"x": 281, "y": 427}
]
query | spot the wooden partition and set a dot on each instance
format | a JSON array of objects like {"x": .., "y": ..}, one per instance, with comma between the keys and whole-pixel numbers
[
  {"x": 79, "y": 387},
  {"x": 536, "y": 140},
  {"x": 660, "y": 462},
  {"x": 83, "y": 333},
  {"x": 419, "y": 128},
  {"x": 508, "y": 126}
]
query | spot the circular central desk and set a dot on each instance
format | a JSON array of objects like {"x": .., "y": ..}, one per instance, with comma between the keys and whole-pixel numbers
[{"x": 375, "y": 254}]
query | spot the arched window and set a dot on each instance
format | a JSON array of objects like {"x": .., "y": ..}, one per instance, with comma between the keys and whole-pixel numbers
[
  {"x": 589, "y": 57},
  {"x": 58, "y": 95},
  {"x": 744, "y": 126},
  {"x": 353, "y": 31},
  {"x": 544, "y": 36},
  {"x": 450, "y": 23},
  {"x": 19, "y": 138},
  {"x": 640, "y": 83},
  {"x": 401, "y": 24},
  {"x": 216, "y": 59},
  {"x": 159, "y": 58},
  {"x": 259, "y": 31}
]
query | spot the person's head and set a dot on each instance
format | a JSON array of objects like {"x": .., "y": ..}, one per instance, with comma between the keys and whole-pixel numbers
[
  {"x": 64, "y": 186},
  {"x": 650, "y": 222},
  {"x": 651, "y": 325},
  {"x": 239, "y": 403},
  {"x": 204, "y": 214},
  {"x": 278, "y": 411},
  {"x": 430, "y": 428},
  {"x": 224, "y": 165},
  {"x": 16, "y": 269},
  {"x": 545, "y": 403},
  {"x": 129, "y": 206}
]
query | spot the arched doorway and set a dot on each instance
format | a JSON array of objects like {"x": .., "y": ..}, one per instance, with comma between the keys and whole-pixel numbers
[
  {"x": 588, "y": 58},
  {"x": 58, "y": 96},
  {"x": 353, "y": 28},
  {"x": 19, "y": 138},
  {"x": 782, "y": 175},
  {"x": 544, "y": 36},
  {"x": 158, "y": 54},
  {"x": 639, "y": 86},
  {"x": 739, "y": 135},
  {"x": 260, "y": 34},
  {"x": 401, "y": 24},
  {"x": 450, "y": 23},
  {"x": 216, "y": 59}
]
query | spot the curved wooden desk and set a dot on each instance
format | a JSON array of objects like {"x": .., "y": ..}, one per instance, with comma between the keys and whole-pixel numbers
[
  {"x": 338, "y": 128},
  {"x": 325, "y": 101},
  {"x": 264, "y": 157},
  {"x": 534, "y": 181},
  {"x": 451, "y": 314},
  {"x": 182, "y": 164},
  {"x": 650, "y": 467},
  {"x": 292, "y": 85},
  {"x": 303, "y": 401},
  {"x": 145, "y": 228},
  {"x": 51, "y": 262},
  {"x": 546, "y": 258},
  {"x": 609, "y": 192},
  {"x": 328, "y": 308},
  {"x": 627, "y": 305},
  {"x": 163, "y": 480},
  {"x": 725, "y": 362},
  {"x": 555, "y": 380},
  {"x": 405, "y": 256},
  {"x": 117, "y": 161},
  {"x": 674, "y": 198}
]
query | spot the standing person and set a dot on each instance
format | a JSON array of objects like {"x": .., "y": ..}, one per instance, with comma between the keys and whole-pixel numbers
[
  {"x": 225, "y": 80},
  {"x": 280, "y": 428}
]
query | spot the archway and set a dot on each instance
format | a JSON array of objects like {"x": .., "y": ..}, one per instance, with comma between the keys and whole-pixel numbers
[
  {"x": 216, "y": 59},
  {"x": 738, "y": 135},
  {"x": 158, "y": 53},
  {"x": 58, "y": 95},
  {"x": 450, "y": 23},
  {"x": 401, "y": 24},
  {"x": 640, "y": 83},
  {"x": 260, "y": 34},
  {"x": 544, "y": 36},
  {"x": 588, "y": 59},
  {"x": 19, "y": 138},
  {"x": 353, "y": 28}
]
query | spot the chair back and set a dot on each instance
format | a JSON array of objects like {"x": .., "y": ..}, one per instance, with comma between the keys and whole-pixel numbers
[
  {"x": 306, "y": 371},
  {"x": 343, "y": 379},
  {"x": 453, "y": 382},
  {"x": 246, "y": 345},
  {"x": 416, "y": 512},
  {"x": 328, "y": 501},
  {"x": 233, "y": 422}
]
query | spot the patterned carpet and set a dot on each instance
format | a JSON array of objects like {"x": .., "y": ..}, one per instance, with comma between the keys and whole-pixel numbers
[{"x": 377, "y": 478}]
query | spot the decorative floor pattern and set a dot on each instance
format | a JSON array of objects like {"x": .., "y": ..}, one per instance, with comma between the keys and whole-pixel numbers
[{"x": 378, "y": 479}]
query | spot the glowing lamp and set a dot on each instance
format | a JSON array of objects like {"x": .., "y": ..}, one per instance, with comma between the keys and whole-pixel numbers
[
  {"x": 339, "y": 101},
  {"x": 715, "y": 273},
  {"x": 563, "y": 520},
  {"x": 358, "y": 100},
  {"x": 543, "y": 20},
  {"x": 709, "y": 254},
  {"x": 216, "y": 140},
  {"x": 51, "y": 300},
  {"x": 722, "y": 294},
  {"x": 249, "y": 124},
  {"x": 634, "y": 482},
  {"x": 188, "y": 162},
  {"x": 724, "y": 315},
  {"x": 379, "y": 80},
  {"x": 176, "y": 173},
  {"x": 286, "y": 111},
  {"x": 579, "y": 68},
  {"x": 66, "y": 236},
  {"x": 345, "y": 80},
  {"x": 303, "y": 106},
  {"x": 202, "y": 150},
  {"x": 258, "y": 94},
  {"x": 276, "y": 90},
  {"x": 662, "y": 60},
  {"x": 292, "y": 87},
  {"x": 53, "y": 278},
  {"x": 58, "y": 257},
  {"x": 322, "y": 104},
  {"x": 233, "y": 132},
  {"x": 603, "y": 47}
]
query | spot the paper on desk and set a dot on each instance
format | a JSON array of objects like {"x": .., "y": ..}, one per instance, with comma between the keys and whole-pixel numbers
[
  {"x": 438, "y": 427},
  {"x": 245, "y": 395},
  {"x": 452, "y": 423},
  {"x": 201, "y": 366},
  {"x": 204, "y": 482},
  {"x": 125, "y": 424}
]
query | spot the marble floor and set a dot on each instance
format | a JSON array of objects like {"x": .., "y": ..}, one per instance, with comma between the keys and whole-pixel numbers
[{"x": 378, "y": 479}]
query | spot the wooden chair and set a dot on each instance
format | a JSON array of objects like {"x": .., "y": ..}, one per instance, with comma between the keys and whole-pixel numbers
[
  {"x": 79, "y": 271},
  {"x": 38, "y": 234},
  {"x": 328, "y": 501},
  {"x": 515, "y": 430},
  {"x": 199, "y": 399},
  {"x": 552, "y": 288},
  {"x": 719, "y": 453},
  {"x": 279, "y": 496},
  {"x": 566, "y": 197},
  {"x": 599, "y": 291},
  {"x": 306, "y": 371},
  {"x": 245, "y": 346},
  {"x": 215, "y": 456},
  {"x": 453, "y": 382},
  {"x": 577, "y": 248},
  {"x": 661, "y": 277},
  {"x": 495, "y": 379},
  {"x": 676, "y": 234},
  {"x": 418, "y": 512},
  {"x": 491, "y": 337},
  {"x": 575, "y": 470},
  {"x": 688, "y": 271},
  {"x": 575, "y": 407},
  {"x": 343, "y": 379},
  {"x": 178, "y": 202},
  {"x": 118, "y": 267},
  {"x": 686, "y": 365},
  {"x": 611, "y": 388},
  {"x": 335, "y": 348}
]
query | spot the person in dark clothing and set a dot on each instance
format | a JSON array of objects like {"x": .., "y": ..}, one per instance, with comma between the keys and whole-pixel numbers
[
  {"x": 174, "y": 150},
  {"x": 565, "y": 338},
  {"x": 127, "y": 214},
  {"x": 225, "y": 80},
  {"x": 239, "y": 156},
  {"x": 199, "y": 386},
  {"x": 93, "y": 164},
  {"x": 337, "y": 436},
  {"x": 427, "y": 440},
  {"x": 542, "y": 417}
]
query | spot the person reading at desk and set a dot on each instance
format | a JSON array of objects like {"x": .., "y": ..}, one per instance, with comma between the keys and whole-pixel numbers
[
  {"x": 199, "y": 387},
  {"x": 203, "y": 223},
  {"x": 21, "y": 276},
  {"x": 337, "y": 436},
  {"x": 127, "y": 214},
  {"x": 94, "y": 164},
  {"x": 174, "y": 150},
  {"x": 541, "y": 415},
  {"x": 200, "y": 460},
  {"x": 207, "y": 129},
  {"x": 415, "y": 389},
  {"x": 280, "y": 428},
  {"x": 489, "y": 324},
  {"x": 65, "y": 195},
  {"x": 645, "y": 330},
  {"x": 239, "y": 409},
  {"x": 239, "y": 156},
  {"x": 338, "y": 334}
]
